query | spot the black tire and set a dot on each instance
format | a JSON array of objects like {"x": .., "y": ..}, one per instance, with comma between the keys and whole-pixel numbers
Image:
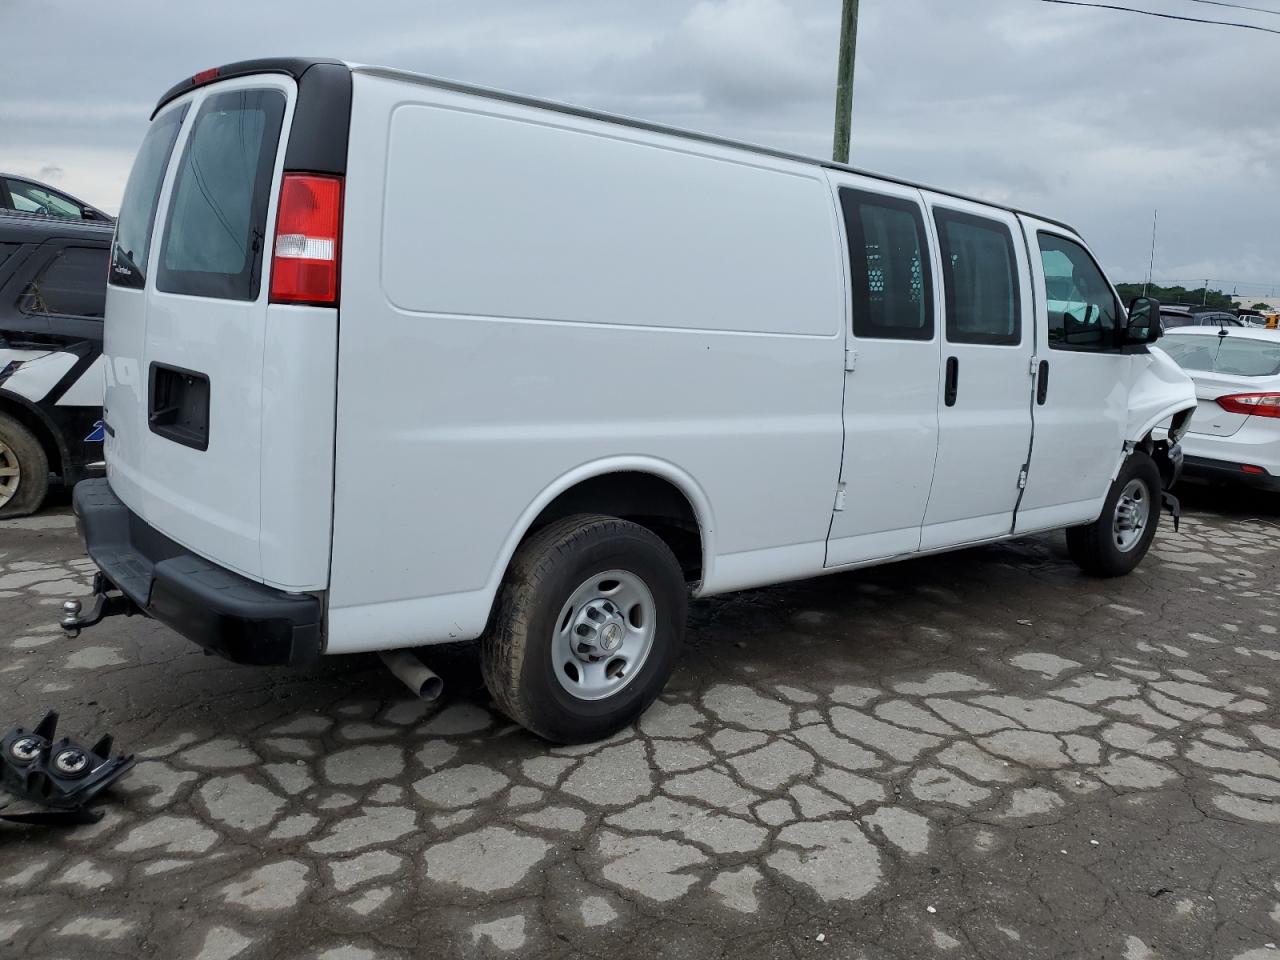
[
  {"x": 17, "y": 442},
  {"x": 1093, "y": 546},
  {"x": 516, "y": 650}
]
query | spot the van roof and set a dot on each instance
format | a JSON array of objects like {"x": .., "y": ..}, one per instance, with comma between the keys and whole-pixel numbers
[{"x": 296, "y": 66}]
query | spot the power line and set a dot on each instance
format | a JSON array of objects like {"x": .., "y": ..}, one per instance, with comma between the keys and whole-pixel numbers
[
  {"x": 1164, "y": 16},
  {"x": 1238, "y": 6}
]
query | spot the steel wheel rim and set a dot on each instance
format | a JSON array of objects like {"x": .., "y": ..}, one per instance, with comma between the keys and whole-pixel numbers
[
  {"x": 10, "y": 473},
  {"x": 1133, "y": 513},
  {"x": 603, "y": 635}
]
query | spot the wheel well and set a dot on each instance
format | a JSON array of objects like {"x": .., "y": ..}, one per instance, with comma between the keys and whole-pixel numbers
[
  {"x": 1158, "y": 450},
  {"x": 642, "y": 498},
  {"x": 33, "y": 422}
]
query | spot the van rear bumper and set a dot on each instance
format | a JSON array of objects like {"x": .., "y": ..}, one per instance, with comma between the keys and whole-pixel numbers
[{"x": 223, "y": 612}]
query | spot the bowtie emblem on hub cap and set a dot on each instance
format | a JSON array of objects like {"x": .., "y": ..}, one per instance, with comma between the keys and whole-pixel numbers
[{"x": 610, "y": 637}]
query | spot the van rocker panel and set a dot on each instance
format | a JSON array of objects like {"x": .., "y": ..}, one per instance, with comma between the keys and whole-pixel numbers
[{"x": 223, "y": 612}]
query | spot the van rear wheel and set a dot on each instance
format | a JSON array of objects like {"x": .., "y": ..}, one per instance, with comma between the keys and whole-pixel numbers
[
  {"x": 1115, "y": 543},
  {"x": 24, "y": 469},
  {"x": 587, "y": 628}
]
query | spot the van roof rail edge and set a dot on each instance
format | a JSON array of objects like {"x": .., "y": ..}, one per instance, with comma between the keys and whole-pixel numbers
[{"x": 297, "y": 66}]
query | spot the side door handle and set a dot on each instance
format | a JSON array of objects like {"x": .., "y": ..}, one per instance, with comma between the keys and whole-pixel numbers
[
  {"x": 953, "y": 381},
  {"x": 1042, "y": 383}
]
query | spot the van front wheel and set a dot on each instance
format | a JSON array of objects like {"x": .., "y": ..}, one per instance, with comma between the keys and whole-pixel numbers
[
  {"x": 1115, "y": 543},
  {"x": 587, "y": 628},
  {"x": 24, "y": 470}
]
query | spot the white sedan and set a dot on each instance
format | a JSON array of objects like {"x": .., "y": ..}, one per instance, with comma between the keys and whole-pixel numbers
[{"x": 1235, "y": 431}]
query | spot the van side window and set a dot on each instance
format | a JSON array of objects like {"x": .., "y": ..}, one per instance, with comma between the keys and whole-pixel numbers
[
  {"x": 980, "y": 279},
  {"x": 72, "y": 284},
  {"x": 888, "y": 267},
  {"x": 216, "y": 228},
  {"x": 1083, "y": 313}
]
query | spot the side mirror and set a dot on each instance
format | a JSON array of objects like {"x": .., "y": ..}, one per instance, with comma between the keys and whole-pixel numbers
[{"x": 1143, "y": 326}]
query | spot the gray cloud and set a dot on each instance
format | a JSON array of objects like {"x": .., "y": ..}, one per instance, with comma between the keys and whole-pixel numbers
[{"x": 1086, "y": 115}]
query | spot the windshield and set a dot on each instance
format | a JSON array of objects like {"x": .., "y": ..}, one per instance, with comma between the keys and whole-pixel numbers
[
  {"x": 1237, "y": 356},
  {"x": 141, "y": 196}
]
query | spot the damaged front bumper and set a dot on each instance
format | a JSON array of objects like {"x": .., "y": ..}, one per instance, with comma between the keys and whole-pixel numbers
[{"x": 143, "y": 571}]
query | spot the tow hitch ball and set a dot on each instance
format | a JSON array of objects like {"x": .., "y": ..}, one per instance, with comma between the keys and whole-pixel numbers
[{"x": 105, "y": 604}]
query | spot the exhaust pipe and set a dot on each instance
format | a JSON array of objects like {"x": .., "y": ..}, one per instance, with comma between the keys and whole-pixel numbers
[{"x": 414, "y": 674}]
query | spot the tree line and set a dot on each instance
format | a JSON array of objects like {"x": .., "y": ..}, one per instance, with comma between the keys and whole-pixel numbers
[{"x": 1194, "y": 296}]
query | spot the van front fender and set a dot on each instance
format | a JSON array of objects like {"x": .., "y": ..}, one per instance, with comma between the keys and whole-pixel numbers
[{"x": 1160, "y": 391}]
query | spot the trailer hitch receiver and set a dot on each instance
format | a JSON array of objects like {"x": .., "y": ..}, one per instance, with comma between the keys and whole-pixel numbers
[{"x": 105, "y": 604}]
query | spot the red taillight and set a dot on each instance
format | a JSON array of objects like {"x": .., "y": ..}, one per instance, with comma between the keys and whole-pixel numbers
[
  {"x": 204, "y": 76},
  {"x": 1250, "y": 468},
  {"x": 304, "y": 266},
  {"x": 1252, "y": 404}
]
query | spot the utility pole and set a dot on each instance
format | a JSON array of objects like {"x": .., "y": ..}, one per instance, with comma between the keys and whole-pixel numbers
[
  {"x": 1151, "y": 266},
  {"x": 1205, "y": 300},
  {"x": 844, "y": 81}
]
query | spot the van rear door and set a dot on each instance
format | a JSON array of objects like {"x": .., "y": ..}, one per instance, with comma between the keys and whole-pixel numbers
[{"x": 220, "y": 402}]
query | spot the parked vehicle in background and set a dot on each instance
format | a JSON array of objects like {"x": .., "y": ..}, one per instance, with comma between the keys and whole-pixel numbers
[
  {"x": 586, "y": 367},
  {"x": 1235, "y": 433},
  {"x": 22, "y": 195},
  {"x": 1174, "y": 317},
  {"x": 53, "y": 284},
  {"x": 1251, "y": 318}
]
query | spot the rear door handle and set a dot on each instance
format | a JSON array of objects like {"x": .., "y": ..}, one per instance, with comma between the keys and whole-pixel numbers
[
  {"x": 1042, "y": 383},
  {"x": 953, "y": 381}
]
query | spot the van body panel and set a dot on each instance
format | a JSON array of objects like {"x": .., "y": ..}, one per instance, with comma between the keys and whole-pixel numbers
[
  {"x": 890, "y": 410},
  {"x": 984, "y": 434},
  {"x": 1157, "y": 392},
  {"x": 124, "y": 343},
  {"x": 536, "y": 365},
  {"x": 299, "y": 389},
  {"x": 1081, "y": 428},
  {"x": 207, "y": 500},
  {"x": 455, "y": 616},
  {"x": 249, "y": 500}
]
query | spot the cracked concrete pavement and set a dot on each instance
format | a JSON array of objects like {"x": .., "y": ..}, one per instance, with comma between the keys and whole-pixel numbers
[{"x": 976, "y": 755}]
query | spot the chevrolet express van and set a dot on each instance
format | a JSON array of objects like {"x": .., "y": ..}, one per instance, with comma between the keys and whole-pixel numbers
[{"x": 396, "y": 361}]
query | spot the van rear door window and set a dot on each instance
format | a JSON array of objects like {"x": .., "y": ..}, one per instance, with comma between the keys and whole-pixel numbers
[
  {"x": 141, "y": 196},
  {"x": 889, "y": 273},
  {"x": 214, "y": 234},
  {"x": 980, "y": 279}
]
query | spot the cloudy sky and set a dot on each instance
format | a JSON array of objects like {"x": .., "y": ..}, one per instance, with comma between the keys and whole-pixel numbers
[{"x": 1091, "y": 116}]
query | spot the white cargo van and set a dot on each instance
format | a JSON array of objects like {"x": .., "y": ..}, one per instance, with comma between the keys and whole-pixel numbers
[{"x": 396, "y": 361}]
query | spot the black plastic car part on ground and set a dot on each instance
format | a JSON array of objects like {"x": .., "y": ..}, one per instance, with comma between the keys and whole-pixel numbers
[
  {"x": 55, "y": 781},
  {"x": 223, "y": 612}
]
